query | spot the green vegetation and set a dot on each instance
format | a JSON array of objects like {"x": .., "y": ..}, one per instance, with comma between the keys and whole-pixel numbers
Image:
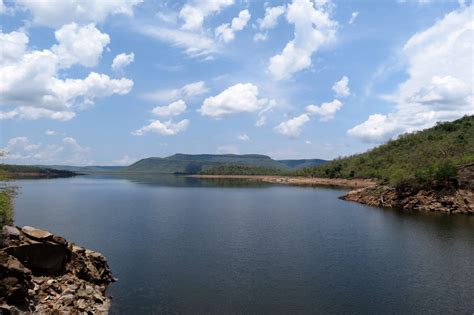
[
  {"x": 242, "y": 170},
  {"x": 422, "y": 157},
  {"x": 7, "y": 193},
  {"x": 15, "y": 171},
  {"x": 304, "y": 163}
]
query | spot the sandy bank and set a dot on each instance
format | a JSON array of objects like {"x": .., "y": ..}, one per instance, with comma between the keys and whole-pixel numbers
[{"x": 301, "y": 181}]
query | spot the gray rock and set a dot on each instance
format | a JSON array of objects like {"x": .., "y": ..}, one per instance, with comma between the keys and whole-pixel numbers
[{"x": 36, "y": 233}]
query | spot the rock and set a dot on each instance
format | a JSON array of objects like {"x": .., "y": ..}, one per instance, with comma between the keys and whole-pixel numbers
[
  {"x": 41, "y": 273},
  {"x": 36, "y": 234},
  {"x": 43, "y": 257},
  {"x": 10, "y": 232}
]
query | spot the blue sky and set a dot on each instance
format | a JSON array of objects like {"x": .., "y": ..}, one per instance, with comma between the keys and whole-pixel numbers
[{"x": 110, "y": 82}]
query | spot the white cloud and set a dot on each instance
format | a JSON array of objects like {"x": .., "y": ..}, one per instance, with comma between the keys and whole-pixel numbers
[
  {"x": 439, "y": 84},
  {"x": 55, "y": 13},
  {"x": 194, "y": 12},
  {"x": 239, "y": 98},
  {"x": 30, "y": 81},
  {"x": 314, "y": 28},
  {"x": 243, "y": 137},
  {"x": 195, "y": 44},
  {"x": 173, "y": 109},
  {"x": 354, "y": 16},
  {"x": 3, "y": 8},
  {"x": 226, "y": 32},
  {"x": 307, "y": 142},
  {"x": 167, "y": 128},
  {"x": 50, "y": 132},
  {"x": 261, "y": 121},
  {"x": 227, "y": 149},
  {"x": 79, "y": 45},
  {"x": 326, "y": 111},
  {"x": 292, "y": 127},
  {"x": 67, "y": 151},
  {"x": 185, "y": 92},
  {"x": 269, "y": 21},
  {"x": 122, "y": 60},
  {"x": 341, "y": 87},
  {"x": 12, "y": 46}
]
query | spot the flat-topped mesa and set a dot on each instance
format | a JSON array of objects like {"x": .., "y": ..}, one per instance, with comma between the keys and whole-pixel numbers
[{"x": 43, "y": 273}]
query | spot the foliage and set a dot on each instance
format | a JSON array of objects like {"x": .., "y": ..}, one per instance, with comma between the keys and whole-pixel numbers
[
  {"x": 7, "y": 194},
  {"x": 242, "y": 170},
  {"x": 8, "y": 170},
  {"x": 430, "y": 155}
]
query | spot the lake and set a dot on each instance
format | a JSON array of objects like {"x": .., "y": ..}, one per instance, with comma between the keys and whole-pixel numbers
[{"x": 184, "y": 245}]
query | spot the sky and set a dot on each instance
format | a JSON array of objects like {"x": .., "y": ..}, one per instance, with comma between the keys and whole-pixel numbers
[{"x": 110, "y": 82}]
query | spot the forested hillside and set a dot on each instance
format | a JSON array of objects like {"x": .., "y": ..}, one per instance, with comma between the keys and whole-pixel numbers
[{"x": 423, "y": 156}]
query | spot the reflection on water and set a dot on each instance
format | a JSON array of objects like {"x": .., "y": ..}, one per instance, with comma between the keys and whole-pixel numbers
[{"x": 183, "y": 245}]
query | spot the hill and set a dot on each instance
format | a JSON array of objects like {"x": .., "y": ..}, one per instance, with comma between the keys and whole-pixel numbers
[
  {"x": 304, "y": 163},
  {"x": 197, "y": 163},
  {"x": 434, "y": 154},
  {"x": 25, "y": 171}
]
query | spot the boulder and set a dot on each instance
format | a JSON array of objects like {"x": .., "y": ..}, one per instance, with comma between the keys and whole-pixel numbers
[
  {"x": 42, "y": 257},
  {"x": 36, "y": 234}
]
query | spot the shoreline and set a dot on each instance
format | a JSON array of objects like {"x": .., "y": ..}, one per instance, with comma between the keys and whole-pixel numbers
[{"x": 297, "y": 181}]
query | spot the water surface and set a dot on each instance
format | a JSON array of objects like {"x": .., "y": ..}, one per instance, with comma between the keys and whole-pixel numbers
[{"x": 181, "y": 245}]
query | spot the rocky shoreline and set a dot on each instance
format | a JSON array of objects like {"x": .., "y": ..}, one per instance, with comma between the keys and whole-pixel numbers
[
  {"x": 455, "y": 198},
  {"x": 454, "y": 201},
  {"x": 43, "y": 273}
]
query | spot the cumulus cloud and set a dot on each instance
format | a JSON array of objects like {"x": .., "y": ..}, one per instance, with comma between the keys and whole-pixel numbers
[
  {"x": 314, "y": 28},
  {"x": 67, "y": 151},
  {"x": 50, "y": 132},
  {"x": 243, "y": 137},
  {"x": 439, "y": 84},
  {"x": 12, "y": 46},
  {"x": 173, "y": 109},
  {"x": 354, "y": 16},
  {"x": 122, "y": 60},
  {"x": 79, "y": 45},
  {"x": 341, "y": 87},
  {"x": 292, "y": 127},
  {"x": 269, "y": 21},
  {"x": 167, "y": 128},
  {"x": 326, "y": 110},
  {"x": 194, "y": 12},
  {"x": 185, "y": 92},
  {"x": 55, "y": 13},
  {"x": 30, "y": 81},
  {"x": 226, "y": 32},
  {"x": 239, "y": 98}
]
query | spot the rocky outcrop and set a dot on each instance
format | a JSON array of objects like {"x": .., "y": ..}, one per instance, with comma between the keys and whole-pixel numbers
[
  {"x": 454, "y": 196},
  {"x": 43, "y": 273},
  {"x": 449, "y": 201}
]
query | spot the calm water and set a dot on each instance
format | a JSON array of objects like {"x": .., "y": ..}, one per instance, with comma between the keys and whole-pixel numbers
[{"x": 186, "y": 246}]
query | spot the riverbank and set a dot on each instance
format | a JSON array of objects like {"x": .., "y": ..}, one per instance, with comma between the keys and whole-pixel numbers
[
  {"x": 44, "y": 273},
  {"x": 298, "y": 181}
]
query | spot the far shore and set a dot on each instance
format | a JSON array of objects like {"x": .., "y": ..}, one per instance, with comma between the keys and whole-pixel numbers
[{"x": 301, "y": 181}]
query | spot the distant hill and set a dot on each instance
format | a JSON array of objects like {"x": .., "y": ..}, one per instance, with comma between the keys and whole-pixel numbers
[
  {"x": 83, "y": 169},
  {"x": 196, "y": 163},
  {"x": 297, "y": 164},
  {"x": 199, "y": 163},
  {"x": 27, "y": 171},
  {"x": 424, "y": 156}
]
